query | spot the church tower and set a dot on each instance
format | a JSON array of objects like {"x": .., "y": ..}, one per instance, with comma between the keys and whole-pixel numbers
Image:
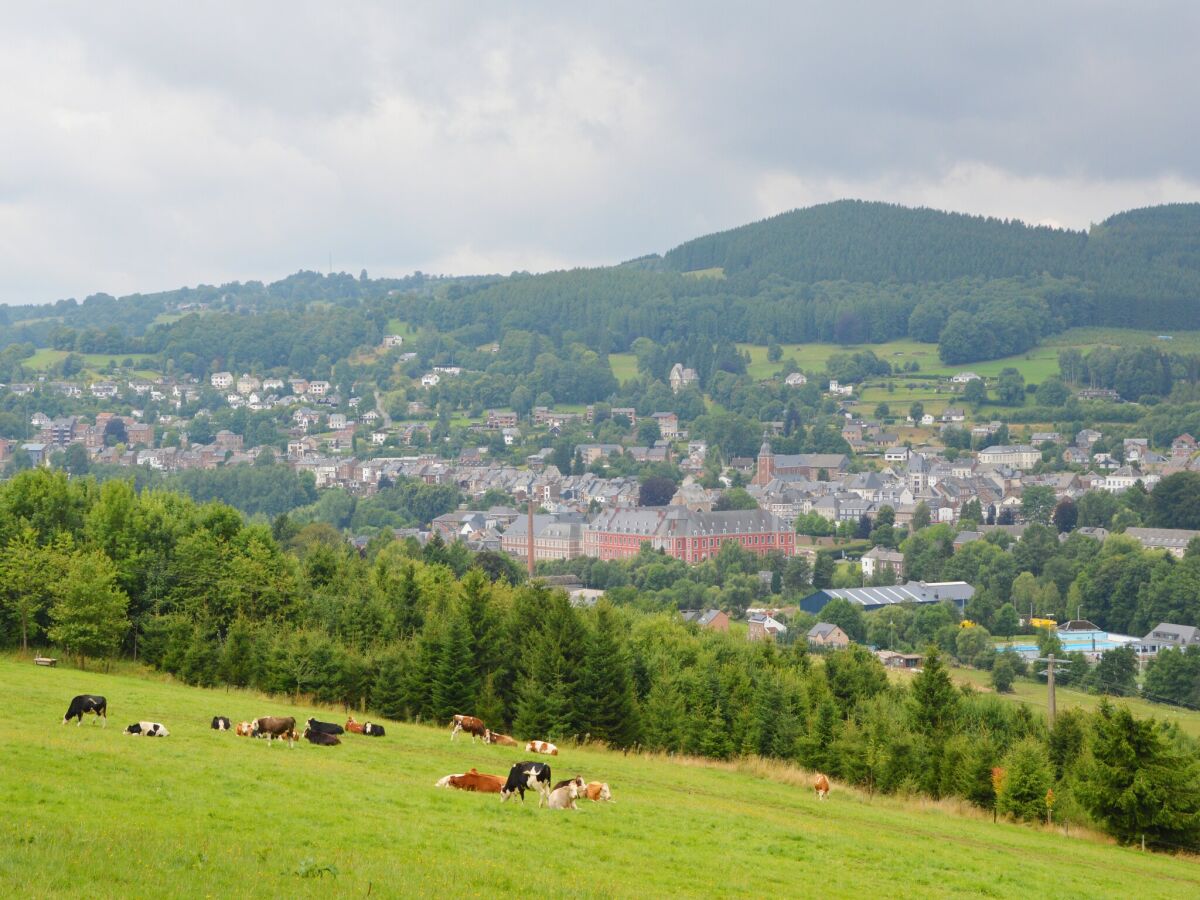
[{"x": 766, "y": 463}]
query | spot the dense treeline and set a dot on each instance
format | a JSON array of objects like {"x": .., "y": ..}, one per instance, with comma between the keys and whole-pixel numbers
[{"x": 423, "y": 633}]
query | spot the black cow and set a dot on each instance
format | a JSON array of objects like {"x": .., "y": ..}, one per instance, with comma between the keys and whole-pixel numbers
[
  {"x": 324, "y": 727},
  {"x": 321, "y": 738},
  {"x": 534, "y": 776},
  {"x": 373, "y": 730},
  {"x": 220, "y": 723},
  {"x": 87, "y": 703}
]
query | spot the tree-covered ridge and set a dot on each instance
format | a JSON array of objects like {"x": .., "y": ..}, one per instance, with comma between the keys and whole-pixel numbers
[{"x": 855, "y": 240}]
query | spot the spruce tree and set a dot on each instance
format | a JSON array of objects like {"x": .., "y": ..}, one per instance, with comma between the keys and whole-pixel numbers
[
  {"x": 1138, "y": 784},
  {"x": 1028, "y": 776},
  {"x": 605, "y": 686},
  {"x": 388, "y": 690},
  {"x": 455, "y": 684},
  {"x": 239, "y": 658}
]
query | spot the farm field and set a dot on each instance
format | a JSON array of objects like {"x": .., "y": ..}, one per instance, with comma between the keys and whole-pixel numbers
[
  {"x": 45, "y": 358},
  {"x": 1034, "y": 694},
  {"x": 623, "y": 365},
  {"x": 208, "y": 813}
]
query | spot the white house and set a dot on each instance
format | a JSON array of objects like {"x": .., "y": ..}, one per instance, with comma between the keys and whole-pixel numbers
[
  {"x": 430, "y": 379},
  {"x": 963, "y": 377},
  {"x": 222, "y": 380},
  {"x": 796, "y": 379},
  {"x": 844, "y": 390}
]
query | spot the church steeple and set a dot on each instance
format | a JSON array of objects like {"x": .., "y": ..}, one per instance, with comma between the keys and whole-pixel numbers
[{"x": 766, "y": 462}]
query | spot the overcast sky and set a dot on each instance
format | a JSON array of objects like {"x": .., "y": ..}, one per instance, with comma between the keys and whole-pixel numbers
[{"x": 150, "y": 145}]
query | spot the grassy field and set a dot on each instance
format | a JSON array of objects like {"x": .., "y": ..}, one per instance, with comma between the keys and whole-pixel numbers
[
  {"x": 203, "y": 813},
  {"x": 1034, "y": 694},
  {"x": 400, "y": 327},
  {"x": 623, "y": 365}
]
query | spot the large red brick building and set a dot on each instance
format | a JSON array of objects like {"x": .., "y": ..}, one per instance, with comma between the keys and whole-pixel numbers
[
  {"x": 813, "y": 466},
  {"x": 685, "y": 534}
]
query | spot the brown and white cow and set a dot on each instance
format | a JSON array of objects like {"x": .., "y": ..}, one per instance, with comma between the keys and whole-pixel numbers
[
  {"x": 272, "y": 727},
  {"x": 352, "y": 726},
  {"x": 598, "y": 790},
  {"x": 495, "y": 737},
  {"x": 469, "y": 724},
  {"x": 541, "y": 747},
  {"x": 477, "y": 781},
  {"x": 243, "y": 729},
  {"x": 821, "y": 786}
]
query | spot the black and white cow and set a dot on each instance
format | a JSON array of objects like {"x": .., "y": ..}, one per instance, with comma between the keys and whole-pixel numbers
[
  {"x": 148, "y": 729},
  {"x": 220, "y": 723},
  {"x": 534, "y": 776},
  {"x": 325, "y": 727},
  {"x": 373, "y": 730},
  {"x": 321, "y": 738},
  {"x": 87, "y": 703}
]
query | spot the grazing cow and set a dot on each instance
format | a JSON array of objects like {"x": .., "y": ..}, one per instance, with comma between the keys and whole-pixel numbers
[
  {"x": 87, "y": 703},
  {"x": 533, "y": 776},
  {"x": 541, "y": 747},
  {"x": 370, "y": 728},
  {"x": 477, "y": 781},
  {"x": 147, "y": 729},
  {"x": 495, "y": 737},
  {"x": 564, "y": 797},
  {"x": 597, "y": 790},
  {"x": 243, "y": 729},
  {"x": 821, "y": 786},
  {"x": 325, "y": 727},
  {"x": 321, "y": 738},
  {"x": 469, "y": 724},
  {"x": 220, "y": 723},
  {"x": 352, "y": 726},
  {"x": 272, "y": 727}
]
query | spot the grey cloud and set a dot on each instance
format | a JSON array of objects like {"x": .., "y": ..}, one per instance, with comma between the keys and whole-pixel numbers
[{"x": 147, "y": 147}]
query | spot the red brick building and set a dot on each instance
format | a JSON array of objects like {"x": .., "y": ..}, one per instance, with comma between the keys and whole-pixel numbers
[{"x": 685, "y": 534}]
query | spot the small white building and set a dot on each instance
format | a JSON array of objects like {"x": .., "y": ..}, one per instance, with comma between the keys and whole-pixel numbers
[{"x": 221, "y": 380}]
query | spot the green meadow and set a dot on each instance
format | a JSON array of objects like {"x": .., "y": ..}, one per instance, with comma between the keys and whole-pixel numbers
[
  {"x": 45, "y": 358},
  {"x": 91, "y": 812}
]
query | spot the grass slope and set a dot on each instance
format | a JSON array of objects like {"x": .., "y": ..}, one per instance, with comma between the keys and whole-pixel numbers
[{"x": 204, "y": 813}]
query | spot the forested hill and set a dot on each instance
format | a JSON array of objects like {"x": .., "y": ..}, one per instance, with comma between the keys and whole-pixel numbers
[
  {"x": 853, "y": 240},
  {"x": 1154, "y": 250},
  {"x": 849, "y": 272}
]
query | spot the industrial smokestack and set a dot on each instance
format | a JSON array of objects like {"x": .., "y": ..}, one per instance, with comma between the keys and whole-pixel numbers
[{"x": 529, "y": 537}]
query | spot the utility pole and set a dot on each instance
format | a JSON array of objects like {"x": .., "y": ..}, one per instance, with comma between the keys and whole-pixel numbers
[{"x": 1050, "y": 661}]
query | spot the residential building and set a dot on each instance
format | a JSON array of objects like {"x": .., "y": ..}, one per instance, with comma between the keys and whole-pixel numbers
[
  {"x": 680, "y": 377},
  {"x": 763, "y": 627},
  {"x": 796, "y": 379},
  {"x": 881, "y": 559},
  {"x": 1019, "y": 456},
  {"x": 712, "y": 619},
  {"x": 1165, "y": 636},
  {"x": 827, "y": 636},
  {"x": 222, "y": 381},
  {"x": 1173, "y": 540}
]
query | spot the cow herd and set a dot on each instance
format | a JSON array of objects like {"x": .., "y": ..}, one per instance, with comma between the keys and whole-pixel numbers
[{"x": 523, "y": 776}]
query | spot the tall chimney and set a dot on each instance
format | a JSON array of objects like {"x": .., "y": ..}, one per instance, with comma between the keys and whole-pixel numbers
[{"x": 529, "y": 537}]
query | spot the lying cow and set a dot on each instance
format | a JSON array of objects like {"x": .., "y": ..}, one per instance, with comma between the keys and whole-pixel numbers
[
  {"x": 821, "y": 786},
  {"x": 87, "y": 703},
  {"x": 577, "y": 781},
  {"x": 243, "y": 729},
  {"x": 324, "y": 727},
  {"x": 372, "y": 730},
  {"x": 533, "y": 776},
  {"x": 352, "y": 726},
  {"x": 598, "y": 791},
  {"x": 495, "y": 737},
  {"x": 273, "y": 727},
  {"x": 220, "y": 723},
  {"x": 444, "y": 781},
  {"x": 477, "y": 781},
  {"x": 147, "y": 729},
  {"x": 321, "y": 738},
  {"x": 564, "y": 797},
  {"x": 541, "y": 747},
  {"x": 469, "y": 724}
]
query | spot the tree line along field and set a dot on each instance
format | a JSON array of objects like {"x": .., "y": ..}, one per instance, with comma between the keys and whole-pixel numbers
[{"x": 208, "y": 813}]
